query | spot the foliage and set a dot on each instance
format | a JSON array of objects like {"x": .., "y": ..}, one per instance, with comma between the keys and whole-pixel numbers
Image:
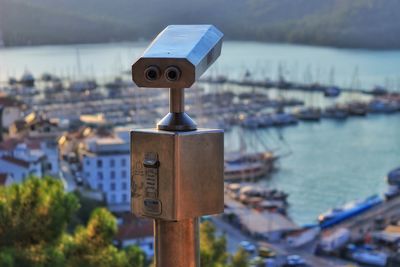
[
  {"x": 34, "y": 217},
  {"x": 212, "y": 248},
  {"x": 87, "y": 206},
  {"x": 135, "y": 256},
  {"x": 240, "y": 259},
  {"x": 34, "y": 213}
]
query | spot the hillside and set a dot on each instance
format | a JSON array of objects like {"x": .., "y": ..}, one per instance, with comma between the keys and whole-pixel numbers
[{"x": 342, "y": 23}]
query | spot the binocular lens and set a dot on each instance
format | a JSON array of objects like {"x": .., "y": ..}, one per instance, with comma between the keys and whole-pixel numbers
[
  {"x": 172, "y": 74},
  {"x": 152, "y": 73}
]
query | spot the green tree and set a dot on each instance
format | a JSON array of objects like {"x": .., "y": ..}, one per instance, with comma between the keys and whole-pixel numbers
[
  {"x": 136, "y": 257},
  {"x": 34, "y": 216},
  {"x": 34, "y": 219},
  {"x": 240, "y": 259},
  {"x": 212, "y": 248},
  {"x": 87, "y": 206},
  {"x": 92, "y": 245}
]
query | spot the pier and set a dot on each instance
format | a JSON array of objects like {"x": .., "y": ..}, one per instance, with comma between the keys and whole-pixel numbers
[
  {"x": 285, "y": 85},
  {"x": 259, "y": 223},
  {"x": 382, "y": 214}
]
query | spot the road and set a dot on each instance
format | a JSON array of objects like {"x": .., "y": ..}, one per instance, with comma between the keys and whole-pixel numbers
[
  {"x": 67, "y": 177},
  {"x": 234, "y": 236}
]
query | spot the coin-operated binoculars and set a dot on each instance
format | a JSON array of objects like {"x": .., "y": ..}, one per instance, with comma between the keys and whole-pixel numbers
[{"x": 177, "y": 169}]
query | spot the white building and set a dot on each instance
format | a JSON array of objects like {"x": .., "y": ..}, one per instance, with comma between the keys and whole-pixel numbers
[
  {"x": 105, "y": 166},
  {"x": 11, "y": 111},
  {"x": 21, "y": 158},
  {"x": 15, "y": 168}
]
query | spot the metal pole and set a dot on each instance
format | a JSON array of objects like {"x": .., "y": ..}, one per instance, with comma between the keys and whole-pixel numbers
[
  {"x": 177, "y": 243},
  {"x": 176, "y": 100}
]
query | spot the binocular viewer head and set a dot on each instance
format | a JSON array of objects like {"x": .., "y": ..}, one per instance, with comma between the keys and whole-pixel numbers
[
  {"x": 178, "y": 56},
  {"x": 177, "y": 170}
]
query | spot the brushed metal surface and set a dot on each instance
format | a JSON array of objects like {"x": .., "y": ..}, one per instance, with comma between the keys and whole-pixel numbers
[
  {"x": 177, "y": 243},
  {"x": 192, "y": 49},
  {"x": 176, "y": 119},
  {"x": 176, "y": 100},
  {"x": 190, "y": 172}
]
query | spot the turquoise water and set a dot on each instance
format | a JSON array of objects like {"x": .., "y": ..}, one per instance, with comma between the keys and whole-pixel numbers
[
  {"x": 331, "y": 162},
  {"x": 335, "y": 162},
  {"x": 301, "y": 63}
]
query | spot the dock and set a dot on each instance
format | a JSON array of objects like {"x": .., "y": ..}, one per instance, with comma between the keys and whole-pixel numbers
[
  {"x": 386, "y": 212},
  {"x": 263, "y": 223},
  {"x": 285, "y": 85}
]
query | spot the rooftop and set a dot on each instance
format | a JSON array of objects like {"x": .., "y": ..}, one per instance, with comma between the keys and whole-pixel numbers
[
  {"x": 134, "y": 227},
  {"x": 106, "y": 145},
  {"x": 15, "y": 161},
  {"x": 9, "y": 102}
]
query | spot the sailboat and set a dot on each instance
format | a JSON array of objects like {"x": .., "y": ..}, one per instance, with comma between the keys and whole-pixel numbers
[
  {"x": 309, "y": 113},
  {"x": 248, "y": 166},
  {"x": 243, "y": 165}
]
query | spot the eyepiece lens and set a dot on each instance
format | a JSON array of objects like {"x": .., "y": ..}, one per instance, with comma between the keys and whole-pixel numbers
[
  {"x": 172, "y": 74},
  {"x": 152, "y": 73}
]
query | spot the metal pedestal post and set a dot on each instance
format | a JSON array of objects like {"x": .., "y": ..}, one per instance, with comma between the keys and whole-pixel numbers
[{"x": 177, "y": 243}]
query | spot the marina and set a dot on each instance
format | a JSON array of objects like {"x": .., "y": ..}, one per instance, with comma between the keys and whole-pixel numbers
[
  {"x": 257, "y": 116},
  {"x": 202, "y": 134}
]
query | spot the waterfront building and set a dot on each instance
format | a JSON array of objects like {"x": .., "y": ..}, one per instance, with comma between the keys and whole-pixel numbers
[{"x": 105, "y": 166}]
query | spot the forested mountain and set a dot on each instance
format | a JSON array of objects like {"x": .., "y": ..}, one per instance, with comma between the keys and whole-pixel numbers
[{"x": 342, "y": 23}]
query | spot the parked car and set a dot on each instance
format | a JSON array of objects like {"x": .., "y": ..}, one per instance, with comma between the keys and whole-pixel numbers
[
  {"x": 248, "y": 247},
  {"x": 266, "y": 252},
  {"x": 79, "y": 180},
  {"x": 295, "y": 261}
]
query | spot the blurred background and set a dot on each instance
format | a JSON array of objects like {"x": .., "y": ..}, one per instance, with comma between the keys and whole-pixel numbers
[{"x": 307, "y": 91}]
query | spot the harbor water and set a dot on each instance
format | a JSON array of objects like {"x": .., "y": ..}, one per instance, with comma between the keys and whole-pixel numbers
[{"x": 330, "y": 162}]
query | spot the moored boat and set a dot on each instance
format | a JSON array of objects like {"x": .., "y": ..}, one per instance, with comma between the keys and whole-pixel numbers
[
  {"x": 260, "y": 198},
  {"x": 393, "y": 180},
  {"x": 308, "y": 114},
  {"x": 337, "y": 215},
  {"x": 335, "y": 112},
  {"x": 332, "y": 91},
  {"x": 357, "y": 109},
  {"x": 248, "y": 166},
  {"x": 382, "y": 106}
]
